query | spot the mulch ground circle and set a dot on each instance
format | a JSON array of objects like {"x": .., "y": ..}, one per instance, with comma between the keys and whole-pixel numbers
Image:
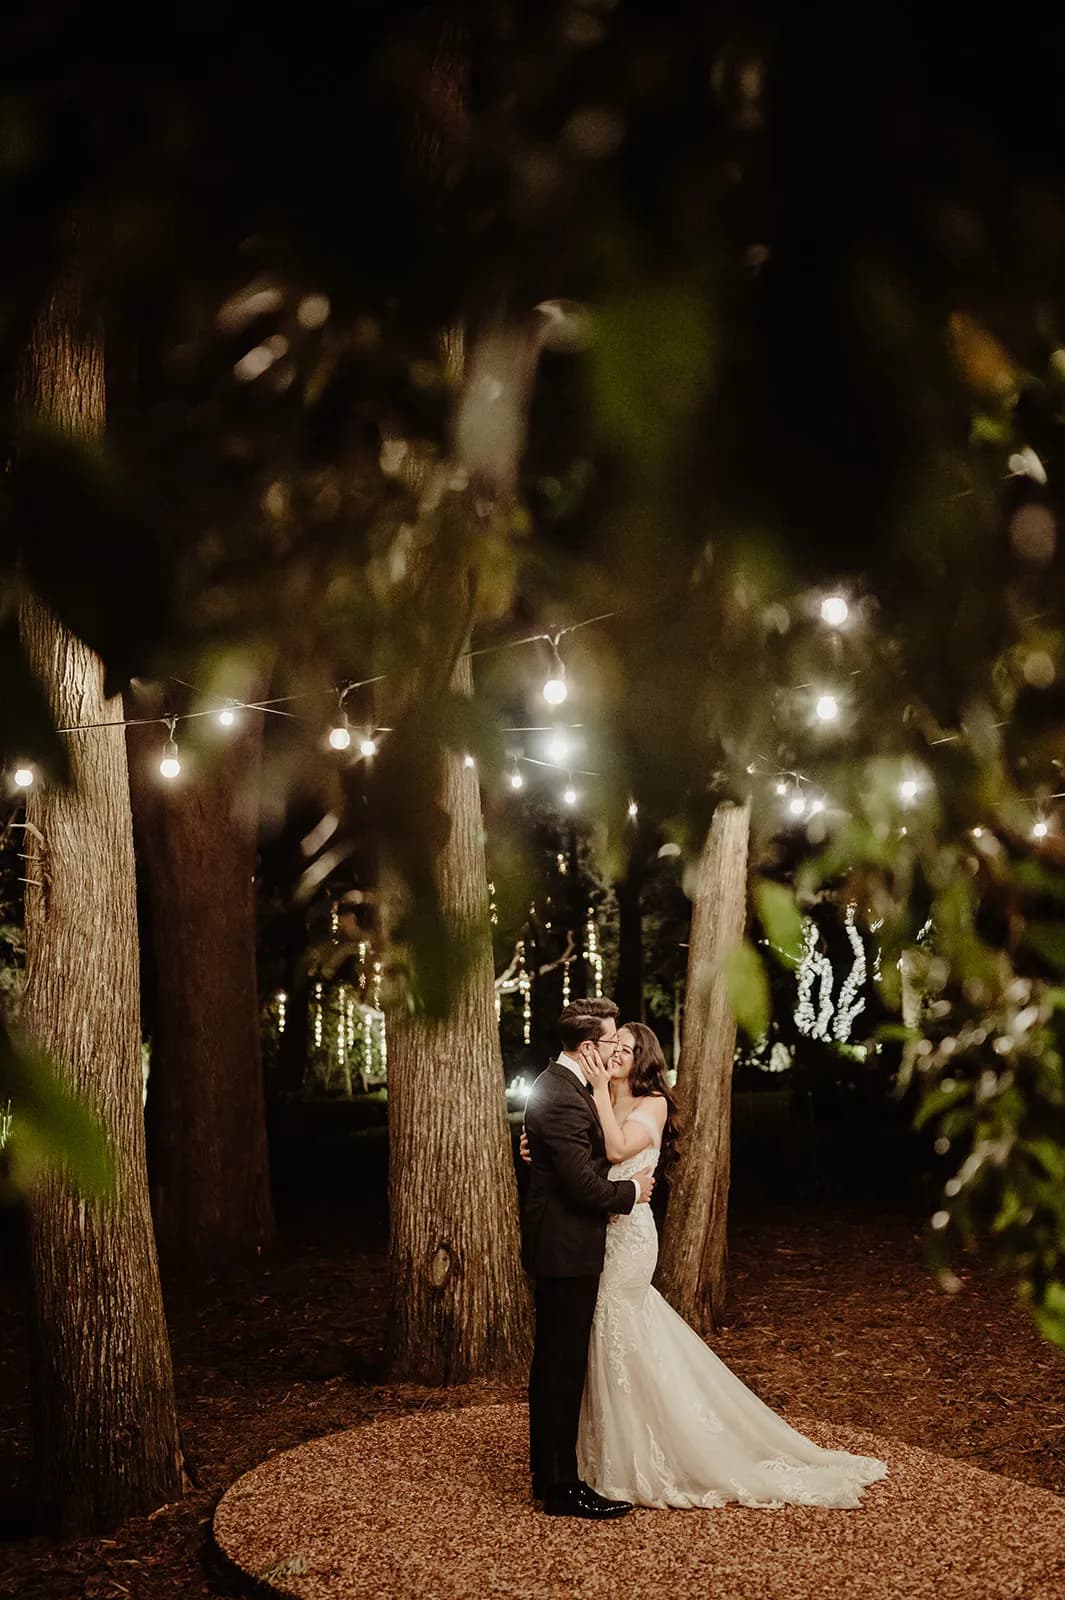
[{"x": 436, "y": 1505}]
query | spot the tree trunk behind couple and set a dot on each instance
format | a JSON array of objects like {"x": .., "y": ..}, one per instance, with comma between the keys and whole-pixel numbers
[{"x": 692, "y": 1268}]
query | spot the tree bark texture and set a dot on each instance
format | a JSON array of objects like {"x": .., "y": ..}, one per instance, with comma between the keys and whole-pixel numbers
[
  {"x": 629, "y": 992},
  {"x": 459, "y": 1302},
  {"x": 208, "y": 1164},
  {"x": 692, "y": 1268},
  {"x": 106, "y": 1442}
]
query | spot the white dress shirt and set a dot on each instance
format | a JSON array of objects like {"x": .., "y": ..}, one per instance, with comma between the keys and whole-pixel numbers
[{"x": 578, "y": 1072}]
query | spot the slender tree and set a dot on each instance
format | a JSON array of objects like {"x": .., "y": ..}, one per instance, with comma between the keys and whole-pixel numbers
[
  {"x": 106, "y": 1438},
  {"x": 694, "y": 1257},
  {"x": 208, "y": 1164}
]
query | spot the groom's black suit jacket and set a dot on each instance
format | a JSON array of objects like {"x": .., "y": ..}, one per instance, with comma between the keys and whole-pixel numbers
[{"x": 564, "y": 1219}]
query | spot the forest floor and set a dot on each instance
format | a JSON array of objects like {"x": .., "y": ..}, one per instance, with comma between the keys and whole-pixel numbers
[{"x": 832, "y": 1314}]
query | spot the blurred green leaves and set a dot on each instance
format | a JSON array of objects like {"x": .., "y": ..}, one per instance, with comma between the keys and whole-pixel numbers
[
  {"x": 89, "y": 548},
  {"x": 51, "y": 1128},
  {"x": 748, "y": 989}
]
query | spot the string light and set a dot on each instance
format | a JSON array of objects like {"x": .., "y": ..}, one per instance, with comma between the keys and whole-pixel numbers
[
  {"x": 634, "y": 810},
  {"x": 340, "y": 733},
  {"x": 525, "y": 987},
  {"x": 342, "y": 1030},
  {"x": 368, "y": 746},
  {"x": 595, "y": 959},
  {"x": 170, "y": 766},
  {"x": 23, "y": 777},
  {"x": 834, "y": 610},
  {"x": 569, "y": 795},
  {"x": 796, "y": 805},
  {"x": 228, "y": 715},
  {"x": 827, "y": 708},
  {"x": 282, "y": 1010},
  {"x": 318, "y": 1016},
  {"x": 908, "y": 789},
  {"x": 468, "y": 762},
  {"x": 558, "y": 747},
  {"x": 555, "y": 689},
  {"x": 1040, "y": 829},
  {"x": 516, "y": 780}
]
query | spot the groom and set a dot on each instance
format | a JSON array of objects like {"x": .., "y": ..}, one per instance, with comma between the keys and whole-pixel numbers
[{"x": 564, "y": 1223}]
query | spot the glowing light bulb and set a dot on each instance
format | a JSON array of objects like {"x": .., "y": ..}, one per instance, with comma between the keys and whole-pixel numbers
[
  {"x": 569, "y": 795},
  {"x": 827, "y": 708},
  {"x": 468, "y": 762},
  {"x": 558, "y": 747},
  {"x": 634, "y": 810},
  {"x": 516, "y": 780},
  {"x": 1040, "y": 830},
  {"x": 796, "y": 805},
  {"x": 816, "y": 806},
  {"x": 834, "y": 610},
  {"x": 227, "y": 717},
  {"x": 368, "y": 747},
  {"x": 908, "y": 789},
  {"x": 170, "y": 766},
  {"x": 340, "y": 736},
  {"x": 23, "y": 777},
  {"x": 555, "y": 690},
  {"x": 977, "y": 833},
  {"x": 781, "y": 788}
]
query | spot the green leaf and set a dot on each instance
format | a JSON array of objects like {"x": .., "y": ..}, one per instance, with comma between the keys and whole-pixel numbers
[
  {"x": 748, "y": 989},
  {"x": 1047, "y": 939},
  {"x": 51, "y": 1127},
  {"x": 780, "y": 917},
  {"x": 1049, "y": 1312},
  {"x": 1050, "y": 1156},
  {"x": 938, "y": 1100}
]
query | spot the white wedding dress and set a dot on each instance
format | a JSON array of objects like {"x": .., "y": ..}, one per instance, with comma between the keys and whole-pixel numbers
[{"x": 663, "y": 1421}]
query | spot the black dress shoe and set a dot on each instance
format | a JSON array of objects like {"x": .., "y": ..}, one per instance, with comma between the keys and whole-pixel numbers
[
  {"x": 578, "y": 1500},
  {"x": 599, "y": 1499}
]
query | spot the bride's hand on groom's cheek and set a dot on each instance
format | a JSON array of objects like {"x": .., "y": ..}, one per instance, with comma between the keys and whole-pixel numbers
[{"x": 598, "y": 1075}]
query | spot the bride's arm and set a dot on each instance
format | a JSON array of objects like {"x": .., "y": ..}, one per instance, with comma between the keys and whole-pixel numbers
[{"x": 621, "y": 1141}]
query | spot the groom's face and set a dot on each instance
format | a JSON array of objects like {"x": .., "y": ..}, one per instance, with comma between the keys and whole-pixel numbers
[{"x": 607, "y": 1043}]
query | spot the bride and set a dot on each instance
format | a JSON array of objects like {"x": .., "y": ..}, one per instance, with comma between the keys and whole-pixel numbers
[{"x": 663, "y": 1420}]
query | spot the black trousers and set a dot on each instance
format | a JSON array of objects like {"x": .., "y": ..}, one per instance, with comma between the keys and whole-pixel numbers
[{"x": 564, "y": 1310}]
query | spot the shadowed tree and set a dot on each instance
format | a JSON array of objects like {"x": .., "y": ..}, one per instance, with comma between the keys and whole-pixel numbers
[
  {"x": 106, "y": 1439},
  {"x": 208, "y": 1164}
]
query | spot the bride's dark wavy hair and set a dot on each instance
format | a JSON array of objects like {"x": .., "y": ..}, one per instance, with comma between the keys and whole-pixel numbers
[{"x": 648, "y": 1076}]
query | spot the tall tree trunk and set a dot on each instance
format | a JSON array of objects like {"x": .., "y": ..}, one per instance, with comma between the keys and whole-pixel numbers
[
  {"x": 459, "y": 1304},
  {"x": 629, "y": 991},
  {"x": 106, "y": 1442},
  {"x": 208, "y": 1164},
  {"x": 694, "y": 1258}
]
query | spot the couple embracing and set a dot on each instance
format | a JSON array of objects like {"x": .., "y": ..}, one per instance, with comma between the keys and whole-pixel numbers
[{"x": 627, "y": 1405}]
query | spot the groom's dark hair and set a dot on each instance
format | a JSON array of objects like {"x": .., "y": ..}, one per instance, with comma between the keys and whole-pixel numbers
[{"x": 583, "y": 1019}]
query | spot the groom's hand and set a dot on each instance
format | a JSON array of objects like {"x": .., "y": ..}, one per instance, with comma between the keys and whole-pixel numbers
[
  {"x": 523, "y": 1146},
  {"x": 645, "y": 1181}
]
